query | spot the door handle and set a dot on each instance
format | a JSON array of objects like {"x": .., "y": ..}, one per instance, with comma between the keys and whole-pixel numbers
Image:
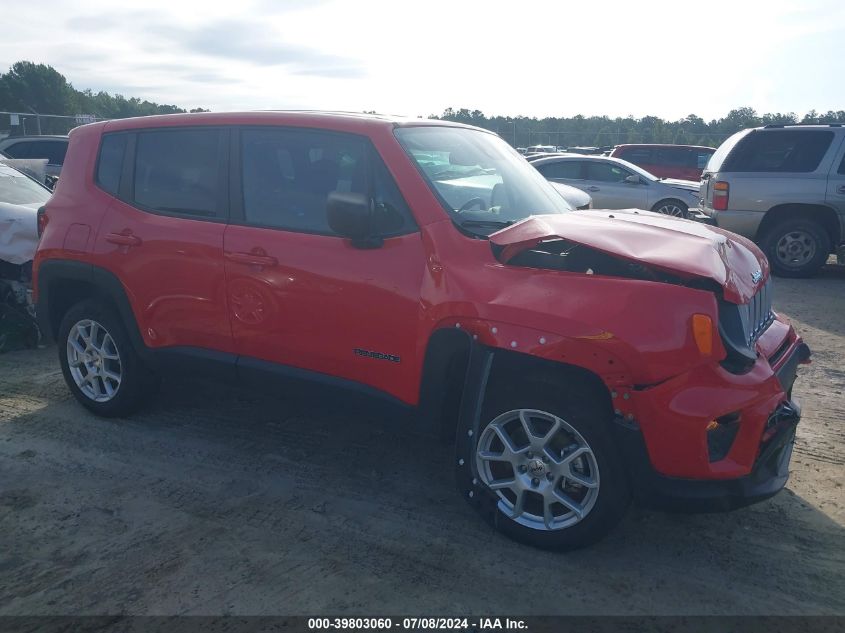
[
  {"x": 251, "y": 259},
  {"x": 592, "y": 188},
  {"x": 123, "y": 239},
  {"x": 840, "y": 189}
]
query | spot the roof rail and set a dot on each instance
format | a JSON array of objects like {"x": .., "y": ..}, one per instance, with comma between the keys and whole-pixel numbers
[{"x": 779, "y": 125}]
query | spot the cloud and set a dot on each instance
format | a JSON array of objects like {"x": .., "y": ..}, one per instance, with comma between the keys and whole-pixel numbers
[
  {"x": 253, "y": 42},
  {"x": 247, "y": 41}
]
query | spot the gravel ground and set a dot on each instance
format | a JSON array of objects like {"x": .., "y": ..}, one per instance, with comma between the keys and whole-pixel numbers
[{"x": 219, "y": 500}]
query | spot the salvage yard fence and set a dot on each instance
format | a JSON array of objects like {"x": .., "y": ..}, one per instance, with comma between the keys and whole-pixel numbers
[{"x": 34, "y": 123}]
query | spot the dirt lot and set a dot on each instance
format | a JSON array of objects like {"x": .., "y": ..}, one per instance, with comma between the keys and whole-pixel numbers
[{"x": 219, "y": 500}]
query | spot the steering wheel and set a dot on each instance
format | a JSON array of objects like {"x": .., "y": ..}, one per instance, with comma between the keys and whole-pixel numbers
[{"x": 472, "y": 202}]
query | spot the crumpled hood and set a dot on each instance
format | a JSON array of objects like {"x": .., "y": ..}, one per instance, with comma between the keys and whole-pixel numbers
[{"x": 682, "y": 247}]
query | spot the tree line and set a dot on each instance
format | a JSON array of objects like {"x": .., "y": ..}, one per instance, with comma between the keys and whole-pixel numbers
[
  {"x": 600, "y": 131},
  {"x": 31, "y": 87}
]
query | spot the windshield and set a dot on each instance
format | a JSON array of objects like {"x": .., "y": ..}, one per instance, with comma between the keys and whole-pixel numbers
[
  {"x": 482, "y": 182},
  {"x": 15, "y": 188}
]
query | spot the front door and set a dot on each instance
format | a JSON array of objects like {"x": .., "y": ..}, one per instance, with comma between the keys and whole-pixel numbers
[
  {"x": 301, "y": 296},
  {"x": 605, "y": 182}
]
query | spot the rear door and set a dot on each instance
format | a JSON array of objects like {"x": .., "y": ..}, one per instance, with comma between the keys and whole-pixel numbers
[
  {"x": 303, "y": 297},
  {"x": 605, "y": 182},
  {"x": 163, "y": 234}
]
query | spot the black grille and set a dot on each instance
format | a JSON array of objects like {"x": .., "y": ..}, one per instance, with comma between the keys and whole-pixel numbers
[
  {"x": 757, "y": 314},
  {"x": 741, "y": 326}
]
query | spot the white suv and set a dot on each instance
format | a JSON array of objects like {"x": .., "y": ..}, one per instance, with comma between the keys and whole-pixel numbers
[{"x": 784, "y": 187}]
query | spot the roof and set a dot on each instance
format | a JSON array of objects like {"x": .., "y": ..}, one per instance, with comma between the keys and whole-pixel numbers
[{"x": 340, "y": 121}]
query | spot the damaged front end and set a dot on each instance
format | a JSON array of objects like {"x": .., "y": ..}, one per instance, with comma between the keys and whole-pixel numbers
[{"x": 18, "y": 327}]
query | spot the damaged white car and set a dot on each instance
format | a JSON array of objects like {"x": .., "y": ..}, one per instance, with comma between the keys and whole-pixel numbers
[{"x": 20, "y": 199}]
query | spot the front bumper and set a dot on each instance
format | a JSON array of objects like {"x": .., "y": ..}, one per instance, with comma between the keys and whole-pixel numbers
[
  {"x": 662, "y": 431},
  {"x": 768, "y": 475}
]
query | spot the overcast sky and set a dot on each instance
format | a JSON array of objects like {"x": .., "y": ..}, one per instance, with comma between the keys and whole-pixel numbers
[{"x": 666, "y": 58}]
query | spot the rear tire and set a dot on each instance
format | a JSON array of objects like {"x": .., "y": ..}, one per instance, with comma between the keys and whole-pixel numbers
[
  {"x": 99, "y": 363},
  {"x": 674, "y": 208},
  {"x": 592, "y": 486},
  {"x": 796, "y": 248}
]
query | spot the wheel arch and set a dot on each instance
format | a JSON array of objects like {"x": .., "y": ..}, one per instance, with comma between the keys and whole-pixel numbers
[
  {"x": 458, "y": 371},
  {"x": 63, "y": 283},
  {"x": 822, "y": 214}
]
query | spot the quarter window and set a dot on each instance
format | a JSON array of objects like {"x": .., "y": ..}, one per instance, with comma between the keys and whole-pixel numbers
[
  {"x": 842, "y": 167},
  {"x": 178, "y": 172}
]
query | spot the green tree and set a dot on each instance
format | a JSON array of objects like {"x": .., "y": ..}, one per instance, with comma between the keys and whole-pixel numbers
[{"x": 29, "y": 86}]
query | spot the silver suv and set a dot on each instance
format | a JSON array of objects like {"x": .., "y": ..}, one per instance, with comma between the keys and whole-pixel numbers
[{"x": 784, "y": 187}]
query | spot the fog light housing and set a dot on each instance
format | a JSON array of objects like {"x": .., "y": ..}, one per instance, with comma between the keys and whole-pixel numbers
[{"x": 721, "y": 433}]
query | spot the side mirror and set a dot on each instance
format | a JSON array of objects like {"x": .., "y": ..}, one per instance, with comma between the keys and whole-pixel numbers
[
  {"x": 633, "y": 179},
  {"x": 350, "y": 215}
]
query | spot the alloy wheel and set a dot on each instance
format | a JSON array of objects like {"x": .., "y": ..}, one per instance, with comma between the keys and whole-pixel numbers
[
  {"x": 541, "y": 468},
  {"x": 671, "y": 209},
  {"x": 94, "y": 361}
]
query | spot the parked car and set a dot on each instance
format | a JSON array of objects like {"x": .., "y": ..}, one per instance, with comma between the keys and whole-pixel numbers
[
  {"x": 53, "y": 148},
  {"x": 541, "y": 149},
  {"x": 589, "y": 151},
  {"x": 425, "y": 266},
  {"x": 685, "y": 162},
  {"x": 20, "y": 198},
  {"x": 578, "y": 199},
  {"x": 617, "y": 184},
  {"x": 784, "y": 187}
]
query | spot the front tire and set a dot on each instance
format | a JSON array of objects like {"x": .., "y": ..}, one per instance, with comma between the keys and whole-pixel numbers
[
  {"x": 99, "y": 363},
  {"x": 796, "y": 248},
  {"x": 544, "y": 470},
  {"x": 675, "y": 208}
]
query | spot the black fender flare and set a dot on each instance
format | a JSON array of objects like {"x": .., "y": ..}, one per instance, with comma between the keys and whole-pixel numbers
[{"x": 103, "y": 284}]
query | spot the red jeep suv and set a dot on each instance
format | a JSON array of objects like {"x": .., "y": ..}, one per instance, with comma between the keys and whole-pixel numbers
[{"x": 581, "y": 359}]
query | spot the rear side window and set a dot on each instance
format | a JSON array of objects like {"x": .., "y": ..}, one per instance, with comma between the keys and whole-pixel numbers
[
  {"x": 780, "y": 151},
  {"x": 19, "y": 150},
  {"x": 673, "y": 157},
  {"x": 638, "y": 156},
  {"x": 110, "y": 164},
  {"x": 53, "y": 151},
  {"x": 562, "y": 169},
  {"x": 842, "y": 167},
  {"x": 179, "y": 172}
]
